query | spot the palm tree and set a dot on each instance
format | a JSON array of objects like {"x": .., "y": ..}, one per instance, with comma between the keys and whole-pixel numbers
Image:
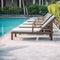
[
  {"x": 12, "y": 3},
  {"x": 23, "y": 6}
]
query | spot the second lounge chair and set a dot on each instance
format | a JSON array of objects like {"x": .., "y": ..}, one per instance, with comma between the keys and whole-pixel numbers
[{"x": 46, "y": 28}]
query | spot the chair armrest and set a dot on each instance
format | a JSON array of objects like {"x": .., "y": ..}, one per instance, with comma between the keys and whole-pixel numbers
[
  {"x": 47, "y": 30},
  {"x": 33, "y": 26},
  {"x": 36, "y": 25}
]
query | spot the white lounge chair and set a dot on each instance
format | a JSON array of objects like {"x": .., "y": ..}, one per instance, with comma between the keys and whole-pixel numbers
[
  {"x": 29, "y": 24},
  {"x": 46, "y": 28}
]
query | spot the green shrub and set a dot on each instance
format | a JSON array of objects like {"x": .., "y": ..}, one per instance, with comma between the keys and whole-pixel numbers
[
  {"x": 43, "y": 9},
  {"x": 33, "y": 9},
  {"x": 18, "y": 10},
  {"x": 37, "y": 9},
  {"x": 5, "y": 10},
  {"x": 12, "y": 10}
]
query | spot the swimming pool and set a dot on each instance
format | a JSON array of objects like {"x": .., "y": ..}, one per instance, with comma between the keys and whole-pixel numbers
[{"x": 6, "y": 24}]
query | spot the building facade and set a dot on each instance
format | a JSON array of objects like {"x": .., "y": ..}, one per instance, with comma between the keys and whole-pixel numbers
[{"x": 19, "y": 3}]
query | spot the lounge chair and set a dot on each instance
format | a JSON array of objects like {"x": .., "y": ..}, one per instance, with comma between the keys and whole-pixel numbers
[
  {"x": 43, "y": 17},
  {"x": 46, "y": 28},
  {"x": 29, "y": 24},
  {"x": 31, "y": 19},
  {"x": 25, "y": 26},
  {"x": 40, "y": 18}
]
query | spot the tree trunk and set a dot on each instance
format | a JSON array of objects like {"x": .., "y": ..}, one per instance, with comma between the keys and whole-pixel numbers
[{"x": 23, "y": 6}]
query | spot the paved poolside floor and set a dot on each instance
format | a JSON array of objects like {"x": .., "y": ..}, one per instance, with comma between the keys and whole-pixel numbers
[{"x": 40, "y": 48}]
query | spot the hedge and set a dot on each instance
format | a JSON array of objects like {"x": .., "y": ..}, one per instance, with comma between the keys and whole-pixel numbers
[
  {"x": 11, "y": 10},
  {"x": 32, "y": 9},
  {"x": 37, "y": 9}
]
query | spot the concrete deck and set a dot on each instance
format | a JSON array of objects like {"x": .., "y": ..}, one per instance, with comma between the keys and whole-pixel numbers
[{"x": 30, "y": 48}]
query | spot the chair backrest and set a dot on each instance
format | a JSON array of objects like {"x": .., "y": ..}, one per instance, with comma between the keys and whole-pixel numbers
[
  {"x": 48, "y": 21},
  {"x": 46, "y": 17}
]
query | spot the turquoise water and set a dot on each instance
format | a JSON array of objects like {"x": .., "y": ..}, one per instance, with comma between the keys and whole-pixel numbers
[{"x": 6, "y": 24}]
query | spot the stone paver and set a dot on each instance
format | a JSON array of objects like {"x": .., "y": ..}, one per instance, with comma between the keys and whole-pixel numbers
[{"x": 30, "y": 49}]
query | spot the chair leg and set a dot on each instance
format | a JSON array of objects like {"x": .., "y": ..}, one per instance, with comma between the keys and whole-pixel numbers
[
  {"x": 51, "y": 37},
  {"x": 15, "y": 35},
  {"x": 11, "y": 36}
]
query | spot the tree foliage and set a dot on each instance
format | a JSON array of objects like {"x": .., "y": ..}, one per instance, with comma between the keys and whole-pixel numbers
[{"x": 55, "y": 9}]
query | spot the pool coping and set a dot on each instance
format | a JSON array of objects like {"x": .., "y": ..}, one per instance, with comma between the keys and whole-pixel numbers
[
  {"x": 12, "y": 16},
  {"x": 18, "y": 16}
]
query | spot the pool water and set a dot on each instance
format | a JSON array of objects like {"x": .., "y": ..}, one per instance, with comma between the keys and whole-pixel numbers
[{"x": 6, "y": 24}]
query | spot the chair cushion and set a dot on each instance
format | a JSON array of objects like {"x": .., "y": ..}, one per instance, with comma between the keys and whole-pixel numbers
[
  {"x": 25, "y": 25},
  {"x": 28, "y": 22},
  {"x": 25, "y": 29},
  {"x": 46, "y": 17},
  {"x": 49, "y": 20}
]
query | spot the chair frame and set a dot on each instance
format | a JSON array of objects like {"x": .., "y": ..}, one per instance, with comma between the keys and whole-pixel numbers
[{"x": 48, "y": 29}]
